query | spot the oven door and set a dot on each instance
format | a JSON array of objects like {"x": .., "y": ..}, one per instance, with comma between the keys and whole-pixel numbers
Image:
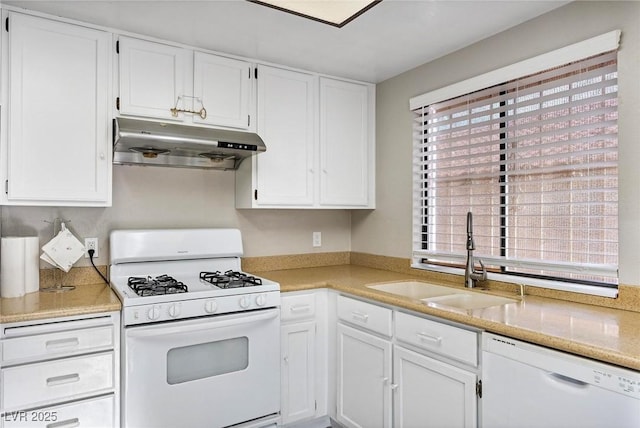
[{"x": 205, "y": 372}]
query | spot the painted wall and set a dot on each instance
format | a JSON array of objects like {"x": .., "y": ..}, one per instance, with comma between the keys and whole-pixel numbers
[
  {"x": 166, "y": 197},
  {"x": 147, "y": 197},
  {"x": 387, "y": 230}
]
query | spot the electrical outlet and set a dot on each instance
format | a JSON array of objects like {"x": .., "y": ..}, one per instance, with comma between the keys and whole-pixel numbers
[
  {"x": 317, "y": 239},
  {"x": 91, "y": 244}
]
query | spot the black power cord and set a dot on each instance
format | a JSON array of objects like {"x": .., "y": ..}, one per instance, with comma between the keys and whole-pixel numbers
[{"x": 90, "y": 252}]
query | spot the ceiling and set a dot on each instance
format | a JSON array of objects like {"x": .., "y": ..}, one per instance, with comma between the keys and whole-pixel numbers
[{"x": 392, "y": 37}]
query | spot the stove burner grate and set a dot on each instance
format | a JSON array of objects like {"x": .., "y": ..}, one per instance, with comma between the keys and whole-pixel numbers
[
  {"x": 163, "y": 284},
  {"x": 230, "y": 279}
]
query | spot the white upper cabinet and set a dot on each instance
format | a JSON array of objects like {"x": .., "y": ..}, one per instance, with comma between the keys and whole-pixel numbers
[
  {"x": 284, "y": 174},
  {"x": 60, "y": 90},
  {"x": 319, "y": 134},
  {"x": 56, "y": 139},
  {"x": 346, "y": 158},
  {"x": 177, "y": 84},
  {"x": 224, "y": 87},
  {"x": 152, "y": 77}
]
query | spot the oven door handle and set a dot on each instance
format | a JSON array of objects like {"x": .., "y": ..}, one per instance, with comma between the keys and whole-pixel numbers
[{"x": 206, "y": 324}]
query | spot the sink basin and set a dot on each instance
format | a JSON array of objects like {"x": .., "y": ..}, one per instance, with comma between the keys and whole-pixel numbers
[
  {"x": 468, "y": 300},
  {"x": 440, "y": 295},
  {"x": 414, "y": 289}
]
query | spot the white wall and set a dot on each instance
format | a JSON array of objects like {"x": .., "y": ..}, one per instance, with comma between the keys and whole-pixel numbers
[
  {"x": 146, "y": 197},
  {"x": 387, "y": 230}
]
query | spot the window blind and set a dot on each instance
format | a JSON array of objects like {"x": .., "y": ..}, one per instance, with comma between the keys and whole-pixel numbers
[{"x": 535, "y": 160}]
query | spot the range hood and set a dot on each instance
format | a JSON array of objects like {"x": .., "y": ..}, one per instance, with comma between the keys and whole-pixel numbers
[{"x": 142, "y": 142}]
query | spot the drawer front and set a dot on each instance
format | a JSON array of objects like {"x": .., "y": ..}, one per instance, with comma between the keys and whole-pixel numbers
[
  {"x": 95, "y": 412},
  {"x": 39, "y": 383},
  {"x": 453, "y": 342},
  {"x": 58, "y": 344},
  {"x": 298, "y": 307},
  {"x": 365, "y": 315}
]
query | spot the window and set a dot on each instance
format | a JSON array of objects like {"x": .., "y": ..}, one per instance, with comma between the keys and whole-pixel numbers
[{"x": 535, "y": 159}]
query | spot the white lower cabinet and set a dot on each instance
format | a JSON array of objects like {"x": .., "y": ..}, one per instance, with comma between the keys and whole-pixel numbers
[
  {"x": 363, "y": 364},
  {"x": 60, "y": 373},
  {"x": 364, "y": 379},
  {"x": 297, "y": 371},
  {"x": 431, "y": 393},
  {"x": 402, "y": 370},
  {"x": 303, "y": 356}
]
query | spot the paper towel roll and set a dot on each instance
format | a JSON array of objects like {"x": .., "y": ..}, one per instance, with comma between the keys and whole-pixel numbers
[
  {"x": 12, "y": 267},
  {"x": 19, "y": 266},
  {"x": 31, "y": 264}
]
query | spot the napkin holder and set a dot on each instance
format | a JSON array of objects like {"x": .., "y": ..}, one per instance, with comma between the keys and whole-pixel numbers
[{"x": 61, "y": 252}]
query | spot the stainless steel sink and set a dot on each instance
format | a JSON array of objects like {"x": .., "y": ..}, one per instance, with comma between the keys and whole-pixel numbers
[
  {"x": 468, "y": 300},
  {"x": 414, "y": 289}
]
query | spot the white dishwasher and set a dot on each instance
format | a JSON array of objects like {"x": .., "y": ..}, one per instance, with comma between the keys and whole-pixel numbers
[{"x": 525, "y": 385}]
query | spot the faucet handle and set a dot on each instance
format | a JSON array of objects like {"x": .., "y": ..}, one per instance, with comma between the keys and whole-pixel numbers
[{"x": 483, "y": 271}]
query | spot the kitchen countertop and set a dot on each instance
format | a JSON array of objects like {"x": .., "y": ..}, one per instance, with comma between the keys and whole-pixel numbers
[
  {"x": 605, "y": 334},
  {"x": 85, "y": 299},
  {"x": 609, "y": 335}
]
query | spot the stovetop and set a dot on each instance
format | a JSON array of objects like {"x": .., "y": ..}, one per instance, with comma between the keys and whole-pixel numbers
[
  {"x": 143, "y": 283},
  {"x": 167, "y": 291},
  {"x": 166, "y": 284},
  {"x": 164, "y": 275}
]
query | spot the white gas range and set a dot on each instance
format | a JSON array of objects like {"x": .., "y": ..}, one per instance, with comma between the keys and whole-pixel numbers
[{"x": 199, "y": 335}]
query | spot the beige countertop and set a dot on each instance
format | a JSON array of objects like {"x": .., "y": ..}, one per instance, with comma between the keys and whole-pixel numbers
[
  {"x": 85, "y": 299},
  {"x": 605, "y": 334},
  {"x": 601, "y": 333}
]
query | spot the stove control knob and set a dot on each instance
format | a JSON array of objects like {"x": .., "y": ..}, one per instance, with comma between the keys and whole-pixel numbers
[
  {"x": 244, "y": 302},
  {"x": 261, "y": 300},
  {"x": 210, "y": 306},
  {"x": 153, "y": 313},
  {"x": 174, "y": 310}
]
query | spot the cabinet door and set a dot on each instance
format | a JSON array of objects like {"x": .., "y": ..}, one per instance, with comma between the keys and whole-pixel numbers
[
  {"x": 223, "y": 85},
  {"x": 152, "y": 77},
  {"x": 58, "y": 137},
  {"x": 345, "y": 143},
  {"x": 364, "y": 379},
  {"x": 298, "y": 371},
  {"x": 285, "y": 172},
  {"x": 431, "y": 393}
]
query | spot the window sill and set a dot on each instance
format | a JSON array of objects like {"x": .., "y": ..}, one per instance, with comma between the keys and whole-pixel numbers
[{"x": 531, "y": 282}]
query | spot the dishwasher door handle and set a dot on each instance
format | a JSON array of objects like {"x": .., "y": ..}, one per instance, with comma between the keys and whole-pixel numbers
[{"x": 566, "y": 380}]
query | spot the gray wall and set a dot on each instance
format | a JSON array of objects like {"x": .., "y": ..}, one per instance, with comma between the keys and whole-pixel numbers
[
  {"x": 164, "y": 197},
  {"x": 387, "y": 230},
  {"x": 145, "y": 197}
]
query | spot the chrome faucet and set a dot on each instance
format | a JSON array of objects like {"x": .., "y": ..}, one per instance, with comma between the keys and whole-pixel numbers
[{"x": 471, "y": 275}]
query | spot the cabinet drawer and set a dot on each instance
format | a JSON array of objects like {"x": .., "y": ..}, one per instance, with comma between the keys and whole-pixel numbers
[
  {"x": 366, "y": 315},
  {"x": 297, "y": 307},
  {"x": 96, "y": 412},
  {"x": 39, "y": 383},
  {"x": 58, "y": 344},
  {"x": 444, "y": 339}
]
